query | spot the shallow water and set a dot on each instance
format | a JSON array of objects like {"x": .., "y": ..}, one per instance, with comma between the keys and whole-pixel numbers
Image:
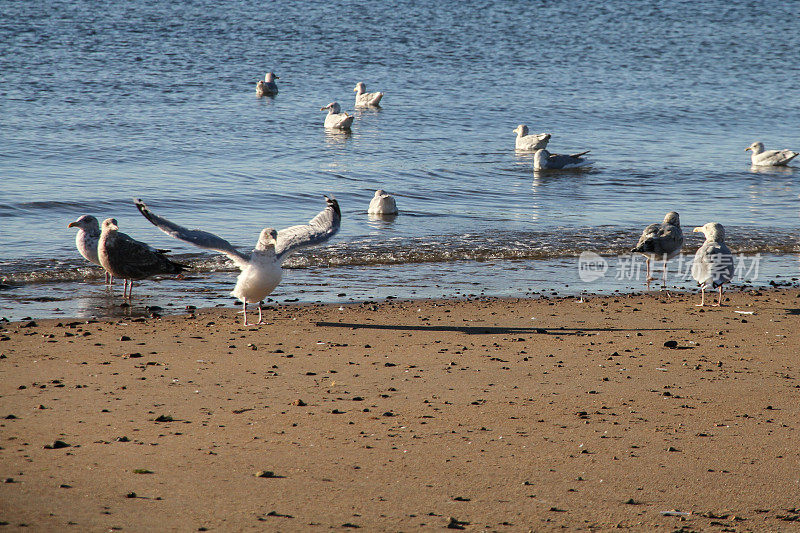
[{"x": 157, "y": 101}]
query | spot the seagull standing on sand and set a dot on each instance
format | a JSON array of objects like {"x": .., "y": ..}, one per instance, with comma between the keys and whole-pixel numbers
[
  {"x": 769, "y": 158},
  {"x": 661, "y": 241},
  {"x": 713, "y": 262},
  {"x": 365, "y": 99},
  {"x": 267, "y": 86},
  {"x": 335, "y": 119},
  {"x": 87, "y": 238},
  {"x": 530, "y": 142},
  {"x": 260, "y": 269},
  {"x": 129, "y": 259},
  {"x": 544, "y": 160},
  {"x": 382, "y": 204}
]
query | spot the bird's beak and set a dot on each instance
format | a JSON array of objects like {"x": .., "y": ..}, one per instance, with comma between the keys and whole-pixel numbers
[
  {"x": 748, "y": 148},
  {"x": 72, "y": 225},
  {"x": 698, "y": 229},
  {"x": 323, "y": 108},
  {"x": 277, "y": 77}
]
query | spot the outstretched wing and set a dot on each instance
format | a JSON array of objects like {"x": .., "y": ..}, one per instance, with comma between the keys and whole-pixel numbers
[
  {"x": 318, "y": 230},
  {"x": 199, "y": 238}
]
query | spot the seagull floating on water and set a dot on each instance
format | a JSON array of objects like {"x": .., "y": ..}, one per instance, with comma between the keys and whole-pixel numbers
[
  {"x": 530, "y": 142},
  {"x": 87, "y": 238},
  {"x": 382, "y": 204},
  {"x": 661, "y": 241},
  {"x": 260, "y": 269},
  {"x": 769, "y": 158},
  {"x": 544, "y": 160},
  {"x": 335, "y": 119},
  {"x": 129, "y": 259},
  {"x": 365, "y": 99},
  {"x": 267, "y": 86},
  {"x": 713, "y": 262}
]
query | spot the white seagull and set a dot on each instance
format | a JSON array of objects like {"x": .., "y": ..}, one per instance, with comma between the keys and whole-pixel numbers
[
  {"x": 335, "y": 119},
  {"x": 87, "y": 238},
  {"x": 713, "y": 262},
  {"x": 267, "y": 86},
  {"x": 382, "y": 204},
  {"x": 530, "y": 142},
  {"x": 769, "y": 158},
  {"x": 129, "y": 259},
  {"x": 544, "y": 160},
  {"x": 661, "y": 241},
  {"x": 365, "y": 99},
  {"x": 260, "y": 269}
]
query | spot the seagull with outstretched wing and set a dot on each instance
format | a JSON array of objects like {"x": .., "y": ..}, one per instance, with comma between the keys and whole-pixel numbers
[{"x": 260, "y": 269}]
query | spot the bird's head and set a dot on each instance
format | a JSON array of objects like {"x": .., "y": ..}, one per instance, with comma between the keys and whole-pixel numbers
[
  {"x": 360, "y": 87},
  {"x": 110, "y": 224},
  {"x": 756, "y": 147},
  {"x": 86, "y": 222},
  {"x": 521, "y": 130},
  {"x": 267, "y": 238},
  {"x": 270, "y": 76},
  {"x": 672, "y": 218},
  {"x": 714, "y": 231},
  {"x": 333, "y": 107}
]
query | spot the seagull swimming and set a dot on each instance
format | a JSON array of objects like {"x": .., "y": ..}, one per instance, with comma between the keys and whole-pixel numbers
[
  {"x": 530, "y": 142},
  {"x": 661, "y": 241},
  {"x": 769, "y": 158},
  {"x": 713, "y": 262},
  {"x": 87, "y": 238},
  {"x": 335, "y": 119},
  {"x": 267, "y": 86},
  {"x": 382, "y": 204},
  {"x": 544, "y": 160},
  {"x": 260, "y": 269},
  {"x": 129, "y": 259},
  {"x": 365, "y": 99}
]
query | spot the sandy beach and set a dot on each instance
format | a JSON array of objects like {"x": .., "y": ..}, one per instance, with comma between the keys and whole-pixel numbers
[{"x": 638, "y": 412}]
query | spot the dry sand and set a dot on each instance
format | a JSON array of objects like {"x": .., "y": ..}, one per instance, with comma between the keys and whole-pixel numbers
[{"x": 497, "y": 415}]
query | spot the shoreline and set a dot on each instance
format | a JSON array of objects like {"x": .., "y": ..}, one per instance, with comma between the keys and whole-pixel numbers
[{"x": 503, "y": 414}]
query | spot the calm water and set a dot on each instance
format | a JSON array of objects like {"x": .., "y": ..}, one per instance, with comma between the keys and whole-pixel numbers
[{"x": 101, "y": 103}]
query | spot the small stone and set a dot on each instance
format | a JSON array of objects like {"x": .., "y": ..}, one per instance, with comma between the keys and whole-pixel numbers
[
  {"x": 56, "y": 445},
  {"x": 131, "y": 495},
  {"x": 164, "y": 418},
  {"x": 298, "y": 402},
  {"x": 671, "y": 344},
  {"x": 266, "y": 473},
  {"x": 124, "y": 338}
]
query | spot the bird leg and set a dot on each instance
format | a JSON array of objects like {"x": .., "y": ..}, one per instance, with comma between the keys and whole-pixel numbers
[
  {"x": 702, "y": 297},
  {"x": 260, "y": 321},
  {"x": 664, "y": 279},
  {"x": 648, "y": 279},
  {"x": 719, "y": 298},
  {"x": 244, "y": 311}
]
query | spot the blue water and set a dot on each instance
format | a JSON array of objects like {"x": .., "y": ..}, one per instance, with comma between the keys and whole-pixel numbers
[{"x": 105, "y": 102}]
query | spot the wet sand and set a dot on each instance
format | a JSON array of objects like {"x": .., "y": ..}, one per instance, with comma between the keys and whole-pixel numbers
[{"x": 483, "y": 414}]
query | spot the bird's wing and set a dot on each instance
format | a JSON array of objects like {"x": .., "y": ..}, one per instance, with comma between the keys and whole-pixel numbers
[
  {"x": 318, "y": 230},
  {"x": 713, "y": 264},
  {"x": 199, "y": 238},
  {"x": 669, "y": 239},
  {"x": 137, "y": 260},
  {"x": 580, "y": 154},
  {"x": 533, "y": 142}
]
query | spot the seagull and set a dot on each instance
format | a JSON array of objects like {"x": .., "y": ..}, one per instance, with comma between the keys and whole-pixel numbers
[
  {"x": 260, "y": 269},
  {"x": 769, "y": 158},
  {"x": 365, "y": 99},
  {"x": 87, "y": 238},
  {"x": 382, "y": 204},
  {"x": 713, "y": 262},
  {"x": 129, "y": 259},
  {"x": 661, "y": 241},
  {"x": 530, "y": 142},
  {"x": 336, "y": 119},
  {"x": 544, "y": 160},
  {"x": 267, "y": 86}
]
